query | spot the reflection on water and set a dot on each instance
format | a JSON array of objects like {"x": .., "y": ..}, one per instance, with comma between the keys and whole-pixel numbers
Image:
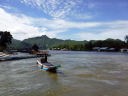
[{"x": 81, "y": 74}]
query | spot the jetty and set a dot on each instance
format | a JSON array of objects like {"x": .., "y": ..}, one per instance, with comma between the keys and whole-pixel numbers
[{"x": 19, "y": 55}]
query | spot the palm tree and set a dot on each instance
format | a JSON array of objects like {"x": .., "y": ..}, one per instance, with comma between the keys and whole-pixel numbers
[{"x": 5, "y": 39}]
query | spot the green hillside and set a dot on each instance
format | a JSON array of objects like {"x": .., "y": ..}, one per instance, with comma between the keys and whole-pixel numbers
[
  {"x": 17, "y": 44},
  {"x": 45, "y": 42}
]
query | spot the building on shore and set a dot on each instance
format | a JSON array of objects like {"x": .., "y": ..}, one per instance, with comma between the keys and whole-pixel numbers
[
  {"x": 124, "y": 50},
  {"x": 104, "y": 49}
]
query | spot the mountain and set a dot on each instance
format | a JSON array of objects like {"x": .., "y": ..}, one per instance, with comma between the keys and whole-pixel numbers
[
  {"x": 17, "y": 44},
  {"x": 45, "y": 42}
]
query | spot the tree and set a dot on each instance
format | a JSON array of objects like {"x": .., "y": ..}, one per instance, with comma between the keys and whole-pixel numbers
[
  {"x": 5, "y": 39},
  {"x": 89, "y": 45},
  {"x": 126, "y": 40},
  {"x": 35, "y": 47}
]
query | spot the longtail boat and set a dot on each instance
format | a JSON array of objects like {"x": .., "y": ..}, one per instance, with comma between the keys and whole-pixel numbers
[{"x": 47, "y": 66}]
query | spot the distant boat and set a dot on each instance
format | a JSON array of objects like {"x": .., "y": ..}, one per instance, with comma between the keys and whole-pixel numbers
[{"x": 47, "y": 66}]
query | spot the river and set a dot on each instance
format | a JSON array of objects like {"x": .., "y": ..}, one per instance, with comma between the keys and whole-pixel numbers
[{"x": 81, "y": 74}]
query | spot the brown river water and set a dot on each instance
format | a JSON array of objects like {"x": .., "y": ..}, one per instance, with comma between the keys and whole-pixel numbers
[{"x": 81, "y": 74}]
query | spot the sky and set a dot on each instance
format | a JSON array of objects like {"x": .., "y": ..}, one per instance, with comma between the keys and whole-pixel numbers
[{"x": 65, "y": 19}]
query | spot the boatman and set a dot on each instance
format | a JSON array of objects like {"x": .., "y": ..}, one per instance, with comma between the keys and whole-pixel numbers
[{"x": 44, "y": 59}]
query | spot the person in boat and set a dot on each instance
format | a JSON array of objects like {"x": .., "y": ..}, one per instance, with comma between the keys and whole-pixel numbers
[{"x": 43, "y": 60}]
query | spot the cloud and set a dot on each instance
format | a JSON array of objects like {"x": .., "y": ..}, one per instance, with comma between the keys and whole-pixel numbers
[
  {"x": 22, "y": 27},
  {"x": 19, "y": 26},
  {"x": 63, "y": 8},
  {"x": 114, "y": 30},
  {"x": 54, "y": 8},
  {"x": 6, "y": 7}
]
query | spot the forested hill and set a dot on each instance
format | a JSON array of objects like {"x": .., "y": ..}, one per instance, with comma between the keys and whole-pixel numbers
[
  {"x": 45, "y": 42},
  {"x": 17, "y": 44}
]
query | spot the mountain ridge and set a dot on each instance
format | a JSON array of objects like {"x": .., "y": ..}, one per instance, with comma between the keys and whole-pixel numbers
[{"x": 44, "y": 42}]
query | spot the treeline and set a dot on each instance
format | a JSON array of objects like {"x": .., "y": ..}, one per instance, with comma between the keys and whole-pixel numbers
[
  {"x": 44, "y": 42},
  {"x": 69, "y": 47},
  {"x": 110, "y": 43},
  {"x": 89, "y": 45}
]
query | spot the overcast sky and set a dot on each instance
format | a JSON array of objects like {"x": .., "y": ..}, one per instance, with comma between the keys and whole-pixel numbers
[{"x": 65, "y": 19}]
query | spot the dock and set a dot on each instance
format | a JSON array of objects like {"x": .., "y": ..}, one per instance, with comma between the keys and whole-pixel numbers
[{"x": 20, "y": 56}]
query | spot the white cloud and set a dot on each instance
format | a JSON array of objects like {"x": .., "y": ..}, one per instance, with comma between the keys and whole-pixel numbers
[
  {"x": 22, "y": 27},
  {"x": 60, "y": 24},
  {"x": 55, "y": 8},
  {"x": 116, "y": 33}
]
